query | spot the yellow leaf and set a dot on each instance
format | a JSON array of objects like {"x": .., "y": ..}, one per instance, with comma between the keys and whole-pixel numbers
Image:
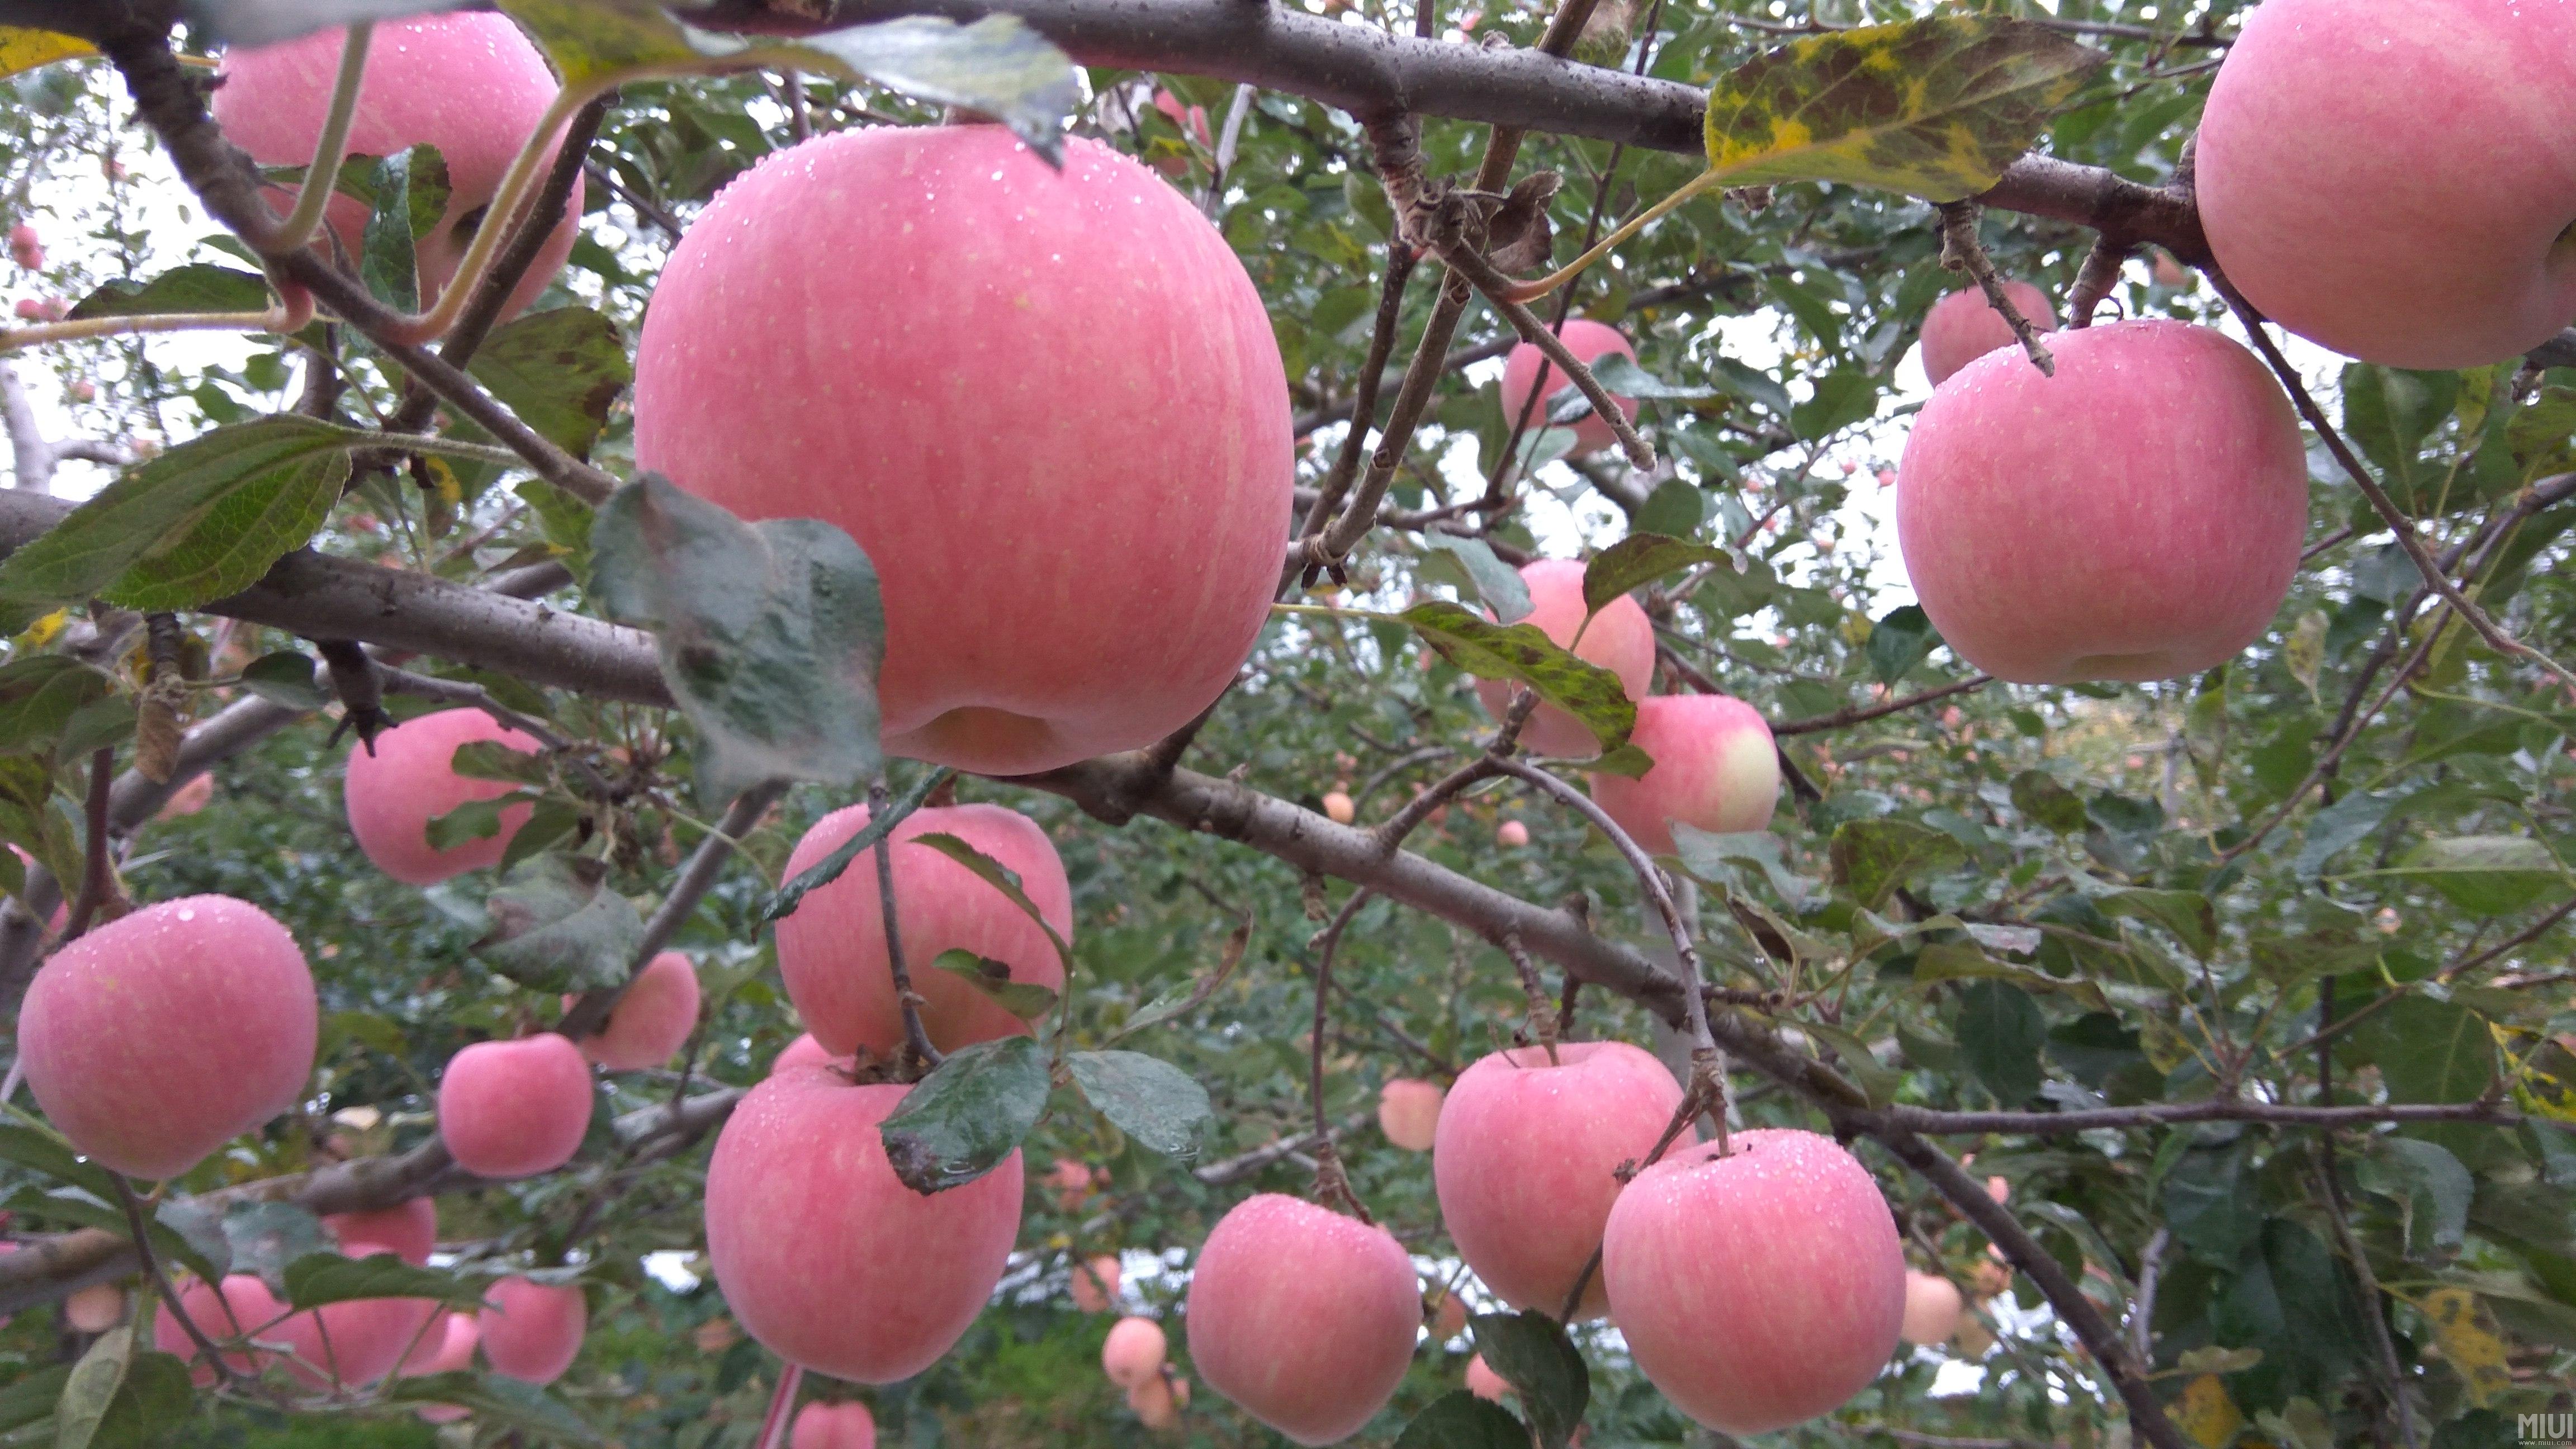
[
  {"x": 22, "y": 49},
  {"x": 44, "y": 631},
  {"x": 2473, "y": 1350},
  {"x": 1937, "y": 108},
  {"x": 2207, "y": 1414}
]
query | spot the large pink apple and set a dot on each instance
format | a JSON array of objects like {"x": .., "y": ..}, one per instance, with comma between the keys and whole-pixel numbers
[
  {"x": 352, "y": 1343},
  {"x": 1133, "y": 1351},
  {"x": 832, "y": 951},
  {"x": 834, "y": 1426},
  {"x": 1408, "y": 1112},
  {"x": 1964, "y": 326},
  {"x": 1526, "y": 1165},
  {"x": 532, "y": 1331},
  {"x": 2394, "y": 179},
  {"x": 1716, "y": 769},
  {"x": 1621, "y": 639},
  {"x": 2137, "y": 516},
  {"x": 1048, "y": 404},
  {"x": 652, "y": 1020},
  {"x": 409, "y": 1229},
  {"x": 827, "y": 1258},
  {"x": 408, "y": 781},
  {"x": 155, "y": 1039},
  {"x": 1759, "y": 1289},
  {"x": 471, "y": 85},
  {"x": 1303, "y": 1317},
  {"x": 514, "y": 1108},
  {"x": 1528, "y": 368}
]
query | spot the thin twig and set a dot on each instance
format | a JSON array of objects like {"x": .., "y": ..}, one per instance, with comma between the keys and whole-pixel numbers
[
  {"x": 916, "y": 1041},
  {"x": 1960, "y": 248},
  {"x": 160, "y": 1276},
  {"x": 1331, "y": 1182},
  {"x": 98, "y": 870},
  {"x": 1861, "y": 714}
]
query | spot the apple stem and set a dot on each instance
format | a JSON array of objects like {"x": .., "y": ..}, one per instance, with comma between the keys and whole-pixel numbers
[
  {"x": 2101, "y": 273},
  {"x": 918, "y": 1054},
  {"x": 314, "y": 196},
  {"x": 1332, "y": 1184},
  {"x": 1532, "y": 291},
  {"x": 1542, "y": 1006},
  {"x": 1961, "y": 251}
]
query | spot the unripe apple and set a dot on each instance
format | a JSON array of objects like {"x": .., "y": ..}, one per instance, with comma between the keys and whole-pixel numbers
[
  {"x": 95, "y": 1309},
  {"x": 1526, "y": 1166},
  {"x": 1408, "y": 1112},
  {"x": 1339, "y": 809},
  {"x": 832, "y": 951},
  {"x": 157, "y": 1038},
  {"x": 1716, "y": 769},
  {"x": 1527, "y": 368},
  {"x": 2341, "y": 214},
  {"x": 1484, "y": 1383},
  {"x": 801, "y": 1239},
  {"x": 834, "y": 1426},
  {"x": 1964, "y": 326},
  {"x": 1095, "y": 1283},
  {"x": 1108, "y": 387},
  {"x": 1621, "y": 639},
  {"x": 1511, "y": 835},
  {"x": 1155, "y": 1404},
  {"x": 356, "y": 1342},
  {"x": 1758, "y": 1289},
  {"x": 1932, "y": 1309},
  {"x": 1303, "y": 1317},
  {"x": 532, "y": 1331},
  {"x": 408, "y": 1229},
  {"x": 652, "y": 1020},
  {"x": 408, "y": 781},
  {"x": 471, "y": 85},
  {"x": 1133, "y": 1352},
  {"x": 514, "y": 1108},
  {"x": 2137, "y": 516},
  {"x": 447, "y": 1348}
]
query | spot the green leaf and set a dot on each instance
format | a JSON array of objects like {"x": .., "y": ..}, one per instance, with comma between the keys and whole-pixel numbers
[
  {"x": 2429, "y": 1184},
  {"x": 1532, "y": 1353},
  {"x": 1935, "y": 108},
  {"x": 493, "y": 760},
  {"x": 327, "y": 1277},
  {"x": 2429, "y": 1051},
  {"x": 499, "y": 1402},
  {"x": 1641, "y": 558},
  {"x": 40, "y": 694},
  {"x": 770, "y": 634},
  {"x": 553, "y": 820},
  {"x": 2339, "y": 827},
  {"x": 1877, "y": 1080},
  {"x": 1473, "y": 566},
  {"x": 556, "y": 926},
  {"x": 1675, "y": 509},
  {"x": 1898, "y": 641},
  {"x": 263, "y": 1237},
  {"x": 1149, "y": 1099},
  {"x": 1624, "y": 378},
  {"x": 2000, "y": 1033},
  {"x": 563, "y": 520},
  {"x": 32, "y": 1396},
  {"x": 2189, "y": 915},
  {"x": 92, "y": 1388},
  {"x": 1519, "y": 652},
  {"x": 2038, "y": 796},
  {"x": 971, "y": 1112},
  {"x": 473, "y": 820},
  {"x": 196, "y": 287},
  {"x": 560, "y": 371},
  {"x": 150, "y": 1406},
  {"x": 410, "y": 191},
  {"x": 226, "y": 549},
  {"x": 827, "y": 870},
  {"x": 157, "y": 503},
  {"x": 1460, "y": 1420},
  {"x": 2208, "y": 1203},
  {"x": 2484, "y": 875},
  {"x": 998, "y": 67},
  {"x": 2388, "y": 413},
  {"x": 288, "y": 678},
  {"x": 39, "y": 1153},
  {"x": 1000, "y": 877},
  {"x": 586, "y": 39},
  {"x": 1874, "y": 857},
  {"x": 1024, "y": 999}
]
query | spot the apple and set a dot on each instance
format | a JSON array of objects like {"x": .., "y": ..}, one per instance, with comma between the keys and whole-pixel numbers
[
  {"x": 1339, "y": 809},
  {"x": 532, "y": 1331},
  {"x": 514, "y": 1108},
  {"x": 1133, "y": 1352},
  {"x": 95, "y": 1309},
  {"x": 1620, "y": 639},
  {"x": 1408, "y": 1112},
  {"x": 1964, "y": 326},
  {"x": 353, "y": 1342},
  {"x": 82, "y": 390},
  {"x": 1932, "y": 1309},
  {"x": 1107, "y": 389},
  {"x": 1305, "y": 1318},
  {"x": 1158, "y": 1401},
  {"x": 189, "y": 798},
  {"x": 407, "y": 781},
  {"x": 2341, "y": 215},
  {"x": 832, "y": 951},
  {"x": 409, "y": 1229},
  {"x": 2137, "y": 516},
  {"x": 1071, "y": 1182},
  {"x": 804, "y": 1215},
  {"x": 1528, "y": 369},
  {"x": 1095, "y": 1283},
  {"x": 1448, "y": 1315},
  {"x": 1526, "y": 1162},
  {"x": 652, "y": 1020},
  {"x": 446, "y": 1348},
  {"x": 1484, "y": 1383},
  {"x": 471, "y": 85},
  {"x": 159, "y": 1037},
  {"x": 834, "y": 1426},
  {"x": 807, "y": 1052},
  {"x": 2165, "y": 271},
  {"x": 26, "y": 248},
  {"x": 1716, "y": 769},
  {"x": 1760, "y": 1288},
  {"x": 1511, "y": 835},
  {"x": 43, "y": 309}
]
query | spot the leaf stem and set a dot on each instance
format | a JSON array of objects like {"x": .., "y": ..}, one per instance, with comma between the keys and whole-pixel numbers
[
  {"x": 313, "y": 198},
  {"x": 1532, "y": 291}
]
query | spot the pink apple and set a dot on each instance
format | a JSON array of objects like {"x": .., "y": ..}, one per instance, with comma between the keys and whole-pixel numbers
[
  {"x": 1964, "y": 326},
  {"x": 1095, "y": 1283},
  {"x": 1448, "y": 1316},
  {"x": 1408, "y": 1112},
  {"x": 471, "y": 85},
  {"x": 188, "y": 799},
  {"x": 1528, "y": 368},
  {"x": 1526, "y": 1165},
  {"x": 448, "y": 1347},
  {"x": 95, "y": 1309},
  {"x": 832, "y": 951},
  {"x": 409, "y": 1229},
  {"x": 514, "y": 1108},
  {"x": 1104, "y": 365},
  {"x": 1932, "y": 1309},
  {"x": 532, "y": 1331},
  {"x": 26, "y": 248},
  {"x": 1072, "y": 1182},
  {"x": 652, "y": 1020},
  {"x": 1155, "y": 1404},
  {"x": 2339, "y": 212},
  {"x": 409, "y": 781},
  {"x": 1484, "y": 1383},
  {"x": 1511, "y": 835},
  {"x": 1339, "y": 809},
  {"x": 1303, "y": 1317},
  {"x": 805, "y": 1052},
  {"x": 355, "y": 1342},
  {"x": 1759, "y": 1289},
  {"x": 155, "y": 1039},
  {"x": 1133, "y": 1352},
  {"x": 2137, "y": 516},
  {"x": 801, "y": 1206},
  {"x": 1716, "y": 769},
  {"x": 834, "y": 1426},
  {"x": 1620, "y": 639}
]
